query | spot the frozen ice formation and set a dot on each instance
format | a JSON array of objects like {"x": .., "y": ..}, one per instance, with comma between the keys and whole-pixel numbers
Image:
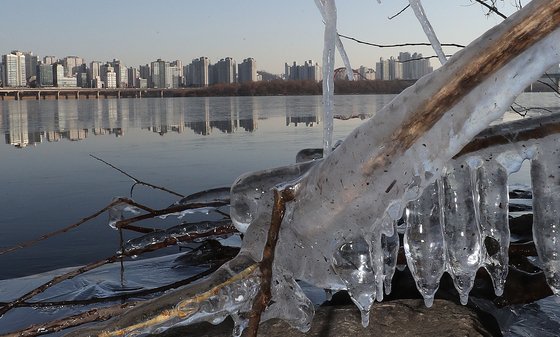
[
  {"x": 334, "y": 233},
  {"x": 416, "y": 6},
  {"x": 545, "y": 178}
]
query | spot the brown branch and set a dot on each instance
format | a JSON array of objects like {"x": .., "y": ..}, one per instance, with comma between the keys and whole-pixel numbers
[
  {"x": 93, "y": 315},
  {"x": 263, "y": 296},
  {"x": 136, "y": 180},
  {"x": 32, "y": 242},
  {"x": 400, "y": 44}
]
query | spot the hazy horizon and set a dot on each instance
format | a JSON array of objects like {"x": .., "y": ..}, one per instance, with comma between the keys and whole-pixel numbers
[{"x": 272, "y": 32}]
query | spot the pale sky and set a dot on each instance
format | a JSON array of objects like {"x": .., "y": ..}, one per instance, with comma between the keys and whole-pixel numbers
[{"x": 273, "y": 32}]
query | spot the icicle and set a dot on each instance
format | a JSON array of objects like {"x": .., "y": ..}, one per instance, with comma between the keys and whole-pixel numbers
[
  {"x": 390, "y": 247},
  {"x": 491, "y": 201},
  {"x": 352, "y": 264},
  {"x": 339, "y": 45},
  {"x": 329, "y": 8},
  {"x": 545, "y": 178},
  {"x": 423, "y": 242},
  {"x": 289, "y": 302},
  {"x": 428, "y": 29},
  {"x": 239, "y": 324},
  {"x": 461, "y": 233}
]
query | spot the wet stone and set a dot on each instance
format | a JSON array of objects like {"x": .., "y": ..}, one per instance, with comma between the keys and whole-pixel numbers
[{"x": 408, "y": 317}]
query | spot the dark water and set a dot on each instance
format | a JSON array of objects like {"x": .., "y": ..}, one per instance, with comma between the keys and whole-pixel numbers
[{"x": 48, "y": 180}]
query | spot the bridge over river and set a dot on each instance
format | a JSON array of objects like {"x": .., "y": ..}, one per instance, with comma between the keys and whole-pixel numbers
[{"x": 80, "y": 93}]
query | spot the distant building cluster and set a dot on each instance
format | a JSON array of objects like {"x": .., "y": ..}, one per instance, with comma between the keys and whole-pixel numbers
[
  {"x": 405, "y": 67},
  {"x": 21, "y": 69}
]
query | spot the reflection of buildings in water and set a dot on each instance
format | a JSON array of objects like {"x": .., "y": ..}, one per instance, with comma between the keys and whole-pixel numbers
[
  {"x": 18, "y": 126},
  {"x": 299, "y": 112},
  {"x": 202, "y": 126},
  {"x": 247, "y": 118}
]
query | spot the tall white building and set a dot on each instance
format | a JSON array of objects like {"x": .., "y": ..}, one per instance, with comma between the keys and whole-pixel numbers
[
  {"x": 414, "y": 66},
  {"x": 71, "y": 64},
  {"x": 49, "y": 59},
  {"x": 390, "y": 69},
  {"x": 309, "y": 71},
  {"x": 225, "y": 71},
  {"x": 197, "y": 72},
  {"x": 247, "y": 71},
  {"x": 14, "y": 70},
  {"x": 160, "y": 73}
]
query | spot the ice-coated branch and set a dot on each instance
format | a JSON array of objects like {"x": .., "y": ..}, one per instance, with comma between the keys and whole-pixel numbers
[
  {"x": 344, "y": 203},
  {"x": 428, "y": 29}
]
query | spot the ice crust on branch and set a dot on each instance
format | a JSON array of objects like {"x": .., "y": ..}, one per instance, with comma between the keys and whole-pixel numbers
[{"x": 332, "y": 233}]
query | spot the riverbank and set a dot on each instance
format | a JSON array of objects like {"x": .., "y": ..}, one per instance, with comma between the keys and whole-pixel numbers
[{"x": 263, "y": 88}]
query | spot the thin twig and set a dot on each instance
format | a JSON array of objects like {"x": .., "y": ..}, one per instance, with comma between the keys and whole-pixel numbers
[
  {"x": 263, "y": 296},
  {"x": 491, "y": 8},
  {"x": 399, "y": 13},
  {"x": 422, "y": 58},
  {"x": 93, "y": 315},
  {"x": 69, "y": 275},
  {"x": 136, "y": 180},
  {"x": 32, "y": 242},
  {"x": 400, "y": 44},
  {"x": 55, "y": 281}
]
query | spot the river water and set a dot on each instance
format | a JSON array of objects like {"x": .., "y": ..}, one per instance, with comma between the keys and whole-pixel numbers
[{"x": 48, "y": 179}]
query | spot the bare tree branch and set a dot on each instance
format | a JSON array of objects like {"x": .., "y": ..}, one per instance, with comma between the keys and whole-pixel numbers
[
  {"x": 93, "y": 315},
  {"x": 263, "y": 296},
  {"x": 399, "y": 44},
  {"x": 136, "y": 180},
  {"x": 399, "y": 13},
  {"x": 491, "y": 8}
]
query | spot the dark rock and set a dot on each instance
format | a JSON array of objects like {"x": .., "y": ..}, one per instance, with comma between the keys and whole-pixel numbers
[{"x": 392, "y": 318}]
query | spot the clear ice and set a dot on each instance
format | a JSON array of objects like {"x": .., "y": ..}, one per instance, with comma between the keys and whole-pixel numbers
[
  {"x": 332, "y": 233},
  {"x": 416, "y": 6},
  {"x": 460, "y": 229},
  {"x": 545, "y": 178},
  {"x": 423, "y": 242}
]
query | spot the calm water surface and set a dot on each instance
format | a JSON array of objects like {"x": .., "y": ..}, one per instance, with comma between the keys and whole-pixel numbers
[{"x": 48, "y": 180}]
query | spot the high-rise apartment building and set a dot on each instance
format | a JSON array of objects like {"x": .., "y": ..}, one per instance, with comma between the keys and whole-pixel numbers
[
  {"x": 58, "y": 74},
  {"x": 108, "y": 76},
  {"x": 30, "y": 65},
  {"x": 224, "y": 71},
  {"x": 247, "y": 71},
  {"x": 45, "y": 77},
  {"x": 390, "y": 69},
  {"x": 49, "y": 59},
  {"x": 160, "y": 73},
  {"x": 414, "y": 66},
  {"x": 94, "y": 74},
  {"x": 133, "y": 77},
  {"x": 197, "y": 74},
  {"x": 122, "y": 73},
  {"x": 309, "y": 71},
  {"x": 71, "y": 64},
  {"x": 14, "y": 70}
]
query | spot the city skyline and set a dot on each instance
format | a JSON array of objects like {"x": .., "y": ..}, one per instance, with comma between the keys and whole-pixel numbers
[{"x": 271, "y": 32}]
